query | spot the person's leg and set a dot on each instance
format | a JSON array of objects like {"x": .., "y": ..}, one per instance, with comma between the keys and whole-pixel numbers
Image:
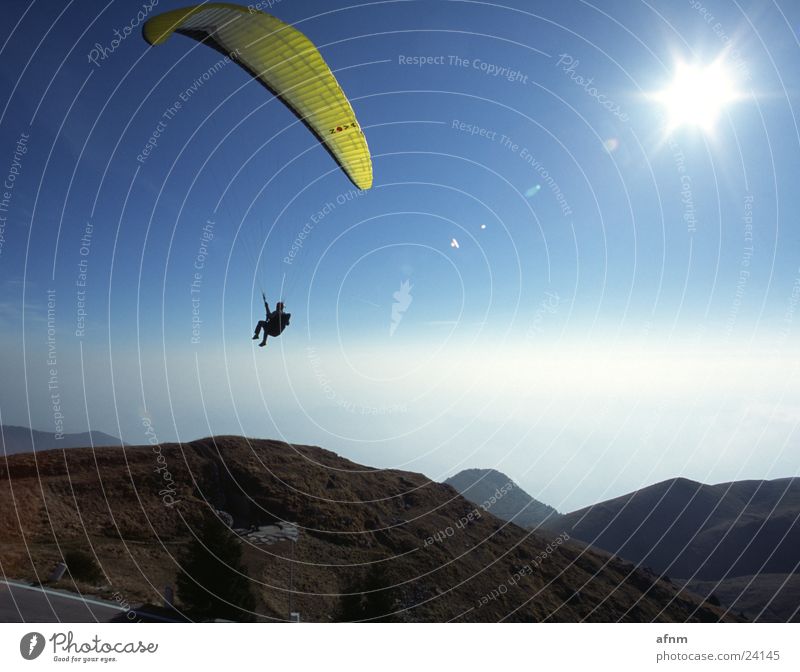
[
  {"x": 261, "y": 325},
  {"x": 264, "y": 342}
]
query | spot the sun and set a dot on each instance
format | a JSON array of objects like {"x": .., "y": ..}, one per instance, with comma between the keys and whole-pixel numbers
[{"x": 697, "y": 95}]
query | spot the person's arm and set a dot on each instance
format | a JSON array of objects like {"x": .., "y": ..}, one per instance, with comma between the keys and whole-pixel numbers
[{"x": 266, "y": 305}]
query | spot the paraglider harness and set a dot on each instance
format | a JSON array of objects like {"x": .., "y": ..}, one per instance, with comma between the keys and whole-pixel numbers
[{"x": 276, "y": 321}]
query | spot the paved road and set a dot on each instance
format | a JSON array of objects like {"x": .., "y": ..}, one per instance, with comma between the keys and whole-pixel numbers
[{"x": 23, "y": 603}]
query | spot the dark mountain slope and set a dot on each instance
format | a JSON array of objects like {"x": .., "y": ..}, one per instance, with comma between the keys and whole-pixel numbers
[
  {"x": 497, "y": 493},
  {"x": 707, "y": 532},
  {"x": 15, "y": 439},
  {"x": 423, "y": 549}
]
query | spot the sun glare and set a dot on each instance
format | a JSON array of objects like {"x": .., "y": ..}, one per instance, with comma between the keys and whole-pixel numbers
[{"x": 697, "y": 95}]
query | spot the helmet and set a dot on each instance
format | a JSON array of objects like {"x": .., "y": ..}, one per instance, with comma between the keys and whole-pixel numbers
[{"x": 279, "y": 305}]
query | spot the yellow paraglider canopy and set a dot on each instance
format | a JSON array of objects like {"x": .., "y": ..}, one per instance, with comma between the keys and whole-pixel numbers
[{"x": 287, "y": 63}]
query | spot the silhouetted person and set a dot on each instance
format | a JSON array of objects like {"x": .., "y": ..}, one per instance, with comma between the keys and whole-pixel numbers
[{"x": 275, "y": 323}]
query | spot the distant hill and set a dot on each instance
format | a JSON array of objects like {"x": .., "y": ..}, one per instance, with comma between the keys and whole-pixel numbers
[
  {"x": 766, "y": 597},
  {"x": 497, "y": 493},
  {"x": 705, "y": 532},
  {"x": 14, "y": 439},
  {"x": 404, "y": 546}
]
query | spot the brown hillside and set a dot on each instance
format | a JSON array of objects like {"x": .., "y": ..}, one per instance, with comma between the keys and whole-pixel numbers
[{"x": 355, "y": 524}]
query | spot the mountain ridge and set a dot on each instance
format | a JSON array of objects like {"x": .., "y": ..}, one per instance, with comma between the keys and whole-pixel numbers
[
  {"x": 440, "y": 557},
  {"x": 492, "y": 489},
  {"x": 16, "y": 439},
  {"x": 692, "y": 529}
]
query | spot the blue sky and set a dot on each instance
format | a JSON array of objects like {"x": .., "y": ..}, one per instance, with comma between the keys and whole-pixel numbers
[{"x": 619, "y": 308}]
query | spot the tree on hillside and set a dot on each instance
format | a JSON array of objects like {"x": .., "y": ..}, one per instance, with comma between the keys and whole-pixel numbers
[
  {"x": 82, "y": 566},
  {"x": 213, "y": 582}
]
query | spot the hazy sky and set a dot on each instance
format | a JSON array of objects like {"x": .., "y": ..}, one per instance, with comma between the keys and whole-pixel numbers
[{"x": 571, "y": 267}]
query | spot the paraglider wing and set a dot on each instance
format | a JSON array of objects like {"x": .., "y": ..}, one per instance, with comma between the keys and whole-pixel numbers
[{"x": 287, "y": 63}]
